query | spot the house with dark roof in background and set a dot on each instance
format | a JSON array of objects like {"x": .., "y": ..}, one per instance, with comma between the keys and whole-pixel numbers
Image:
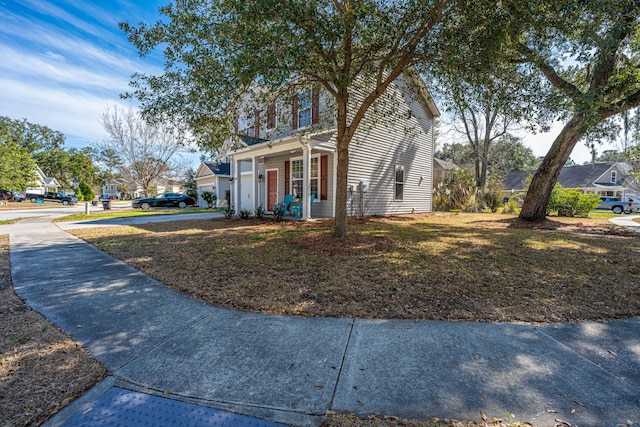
[
  {"x": 604, "y": 179},
  {"x": 214, "y": 177}
]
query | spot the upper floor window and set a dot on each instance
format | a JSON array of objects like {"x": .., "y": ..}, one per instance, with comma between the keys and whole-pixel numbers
[
  {"x": 304, "y": 109},
  {"x": 246, "y": 126},
  {"x": 614, "y": 176},
  {"x": 399, "y": 182}
]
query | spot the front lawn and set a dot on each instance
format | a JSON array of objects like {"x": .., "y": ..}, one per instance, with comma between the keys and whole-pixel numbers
[
  {"x": 485, "y": 267},
  {"x": 120, "y": 213}
]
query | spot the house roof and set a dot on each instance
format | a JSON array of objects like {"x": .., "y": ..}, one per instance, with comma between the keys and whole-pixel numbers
[
  {"x": 580, "y": 176},
  {"x": 444, "y": 164},
  {"x": 250, "y": 140},
  {"x": 218, "y": 168}
]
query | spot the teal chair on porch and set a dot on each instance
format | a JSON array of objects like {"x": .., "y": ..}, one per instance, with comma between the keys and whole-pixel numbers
[
  {"x": 285, "y": 205},
  {"x": 297, "y": 209}
]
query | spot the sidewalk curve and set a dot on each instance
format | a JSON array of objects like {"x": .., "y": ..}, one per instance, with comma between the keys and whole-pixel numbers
[
  {"x": 294, "y": 370},
  {"x": 627, "y": 221}
]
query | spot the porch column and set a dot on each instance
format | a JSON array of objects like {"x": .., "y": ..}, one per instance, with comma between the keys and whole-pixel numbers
[
  {"x": 235, "y": 185},
  {"x": 334, "y": 175},
  {"x": 306, "y": 182},
  {"x": 256, "y": 183}
]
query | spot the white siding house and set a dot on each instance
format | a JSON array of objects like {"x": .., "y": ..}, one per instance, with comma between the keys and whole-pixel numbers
[
  {"x": 42, "y": 183},
  {"x": 214, "y": 177},
  {"x": 289, "y": 147}
]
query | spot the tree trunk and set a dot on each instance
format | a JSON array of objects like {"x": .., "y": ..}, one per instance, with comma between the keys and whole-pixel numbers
[
  {"x": 343, "y": 138},
  {"x": 539, "y": 192},
  {"x": 340, "y": 227}
]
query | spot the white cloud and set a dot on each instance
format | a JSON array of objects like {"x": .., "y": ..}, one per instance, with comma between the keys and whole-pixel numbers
[
  {"x": 72, "y": 112},
  {"x": 54, "y": 69}
]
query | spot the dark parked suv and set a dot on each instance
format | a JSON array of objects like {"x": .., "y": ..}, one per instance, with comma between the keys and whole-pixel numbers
[{"x": 167, "y": 200}]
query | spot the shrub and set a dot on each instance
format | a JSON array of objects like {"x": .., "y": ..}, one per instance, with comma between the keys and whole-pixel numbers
[
  {"x": 229, "y": 211},
  {"x": 259, "y": 212},
  {"x": 571, "y": 202},
  {"x": 85, "y": 192},
  {"x": 510, "y": 207},
  {"x": 278, "y": 213},
  {"x": 245, "y": 213},
  {"x": 209, "y": 197},
  {"x": 456, "y": 191},
  {"x": 492, "y": 195}
]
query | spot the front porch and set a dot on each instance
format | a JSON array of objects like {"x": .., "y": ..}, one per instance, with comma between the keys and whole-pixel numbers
[{"x": 263, "y": 174}]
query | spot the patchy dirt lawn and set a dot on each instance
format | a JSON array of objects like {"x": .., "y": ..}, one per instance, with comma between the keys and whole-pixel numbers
[
  {"x": 474, "y": 267},
  {"x": 41, "y": 369}
]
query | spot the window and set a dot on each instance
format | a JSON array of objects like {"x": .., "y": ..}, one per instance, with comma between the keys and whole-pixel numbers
[
  {"x": 399, "y": 182},
  {"x": 245, "y": 126},
  {"x": 297, "y": 173},
  {"x": 271, "y": 116},
  {"x": 296, "y": 178},
  {"x": 315, "y": 177},
  {"x": 614, "y": 176},
  {"x": 304, "y": 109}
]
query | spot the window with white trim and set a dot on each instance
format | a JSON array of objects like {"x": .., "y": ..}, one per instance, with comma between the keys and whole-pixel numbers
[
  {"x": 614, "y": 176},
  {"x": 304, "y": 109},
  {"x": 297, "y": 175},
  {"x": 399, "y": 182},
  {"x": 315, "y": 177},
  {"x": 245, "y": 126},
  {"x": 296, "y": 178}
]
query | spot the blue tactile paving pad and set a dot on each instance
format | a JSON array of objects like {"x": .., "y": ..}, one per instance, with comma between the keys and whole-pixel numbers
[{"x": 124, "y": 408}]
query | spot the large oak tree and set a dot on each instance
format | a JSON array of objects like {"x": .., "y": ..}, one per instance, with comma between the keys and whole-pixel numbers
[
  {"x": 589, "y": 53},
  {"x": 215, "y": 49}
]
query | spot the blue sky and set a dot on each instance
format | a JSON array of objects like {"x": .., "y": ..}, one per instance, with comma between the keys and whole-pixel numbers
[{"x": 63, "y": 62}]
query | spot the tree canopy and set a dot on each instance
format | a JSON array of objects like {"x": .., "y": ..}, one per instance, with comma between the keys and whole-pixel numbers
[
  {"x": 589, "y": 55},
  {"x": 140, "y": 151},
  {"x": 215, "y": 50}
]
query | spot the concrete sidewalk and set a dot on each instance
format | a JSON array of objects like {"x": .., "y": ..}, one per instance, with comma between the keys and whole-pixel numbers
[{"x": 294, "y": 370}]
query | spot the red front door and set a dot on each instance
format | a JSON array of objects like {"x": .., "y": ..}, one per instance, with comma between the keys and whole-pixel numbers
[{"x": 272, "y": 189}]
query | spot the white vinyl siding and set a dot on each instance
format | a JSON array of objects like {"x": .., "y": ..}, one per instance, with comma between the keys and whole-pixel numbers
[{"x": 402, "y": 139}]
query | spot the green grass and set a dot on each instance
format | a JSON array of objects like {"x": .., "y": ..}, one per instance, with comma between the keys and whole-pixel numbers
[
  {"x": 128, "y": 213},
  {"x": 11, "y": 221}
]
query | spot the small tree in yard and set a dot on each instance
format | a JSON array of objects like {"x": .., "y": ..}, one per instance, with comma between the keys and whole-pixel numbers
[
  {"x": 85, "y": 192},
  {"x": 571, "y": 202},
  {"x": 492, "y": 195},
  {"x": 209, "y": 197}
]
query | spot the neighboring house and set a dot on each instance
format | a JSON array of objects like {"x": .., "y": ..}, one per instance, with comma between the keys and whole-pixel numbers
[
  {"x": 289, "y": 147},
  {"x": 441, "y": 170},
  {"x": 42, "y": 183},
  {"x": 112, "y": 188},
  {"x": 214, "y": 177},
  {"x": 605, "y": 179}
]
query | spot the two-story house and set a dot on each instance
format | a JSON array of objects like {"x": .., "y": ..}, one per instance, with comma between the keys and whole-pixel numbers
[
  {"x": 42, "y": 183},
  {"x": 288, "y": 146}
]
